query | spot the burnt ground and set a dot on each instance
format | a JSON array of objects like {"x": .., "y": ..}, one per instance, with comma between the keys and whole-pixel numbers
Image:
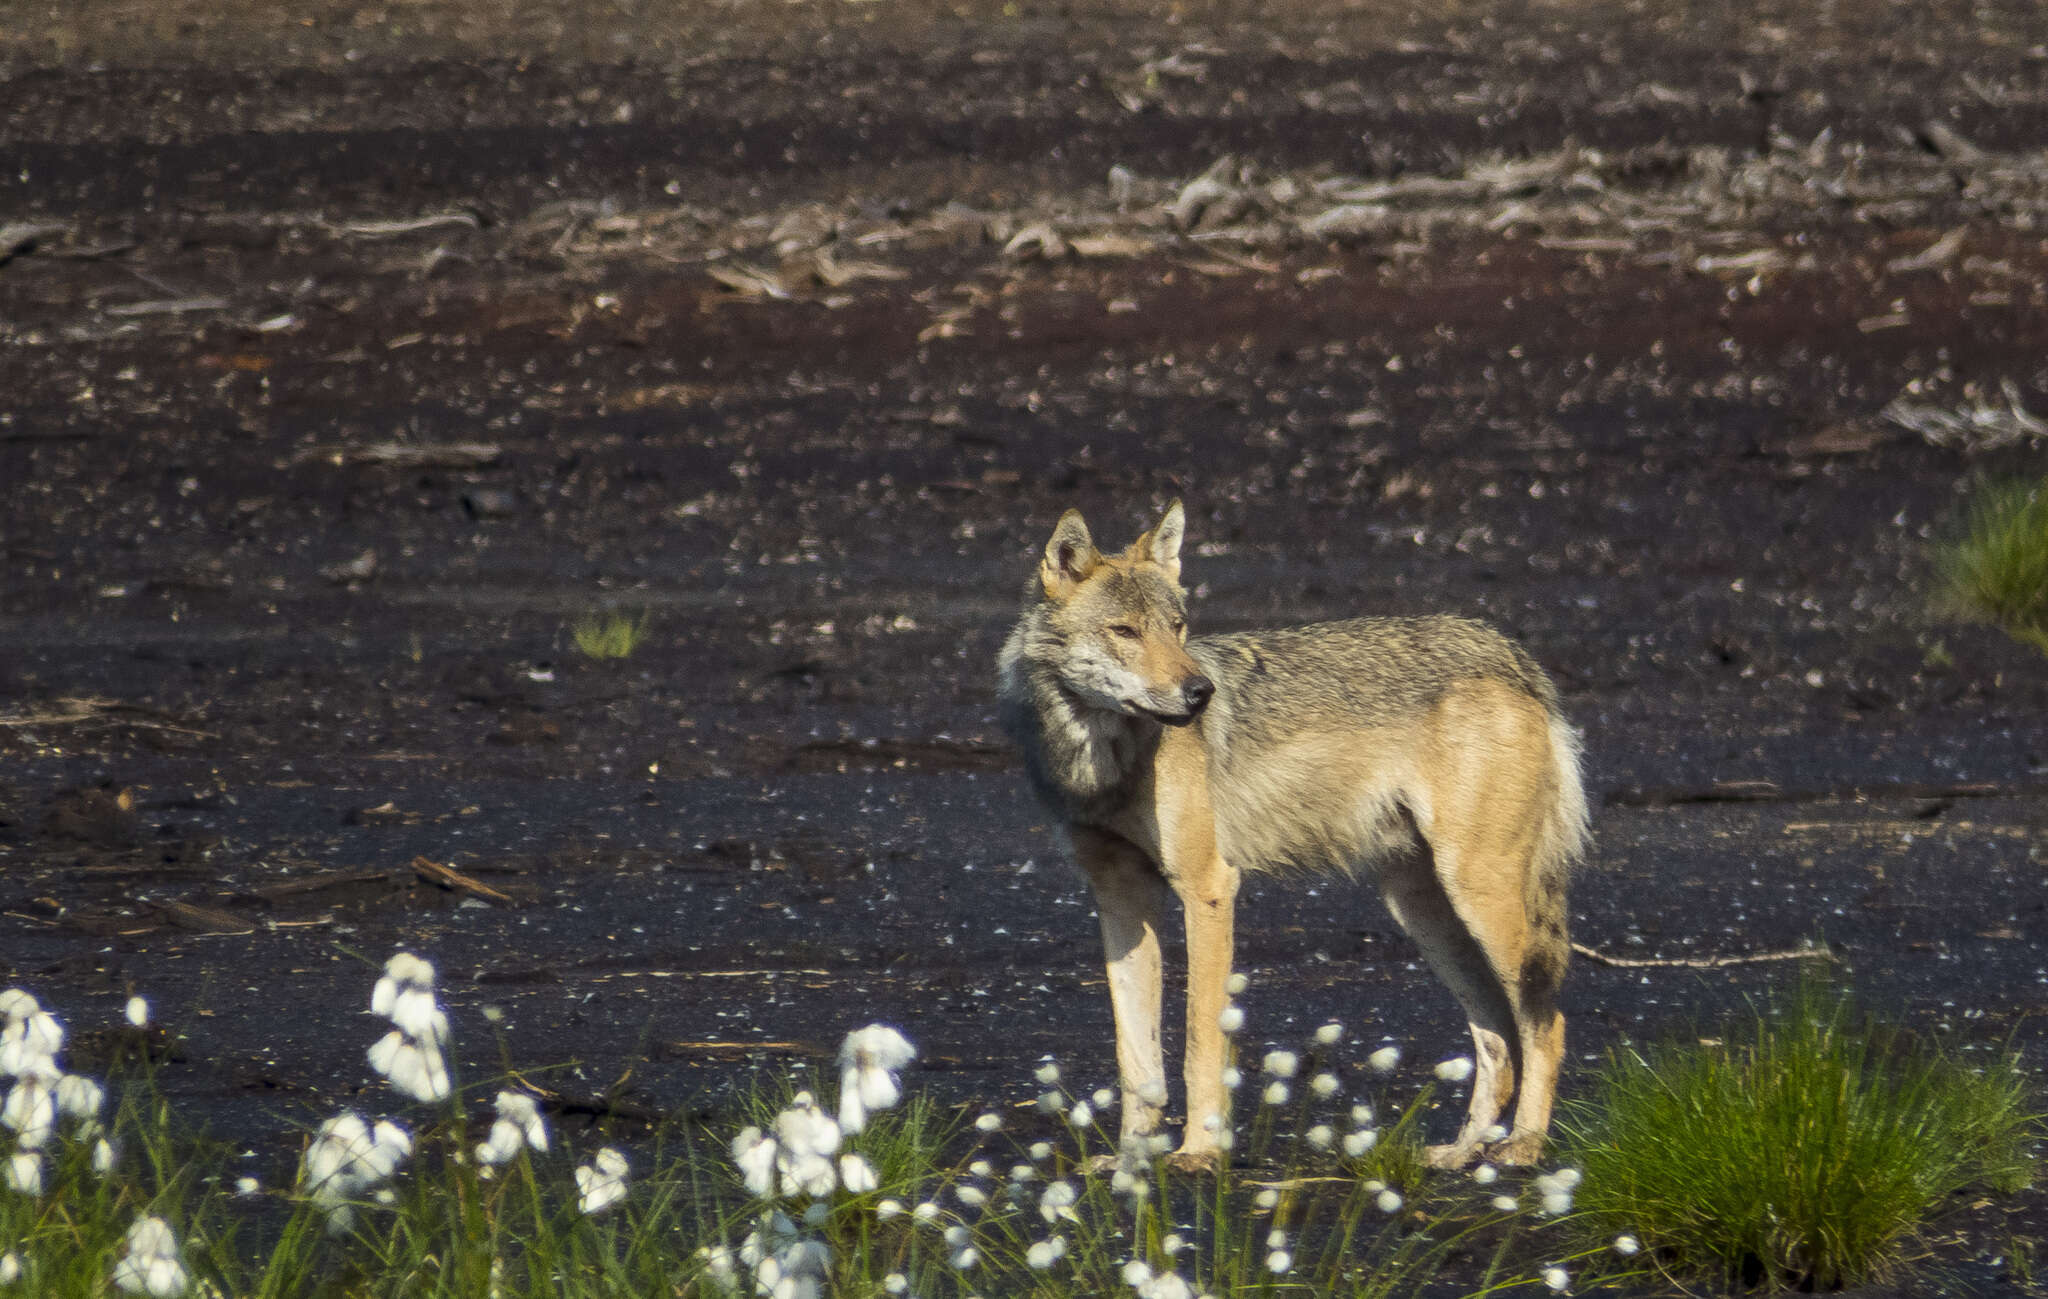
[{"x": 352, "y": 356}]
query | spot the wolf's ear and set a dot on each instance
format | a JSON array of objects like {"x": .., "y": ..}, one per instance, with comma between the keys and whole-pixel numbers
[
  {"x": 1069, "y": 556},
  {"x": 1162, "y": 544}
]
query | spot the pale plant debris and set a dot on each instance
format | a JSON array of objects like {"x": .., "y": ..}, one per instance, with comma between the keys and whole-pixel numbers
[{"x": 1977, "y": 425}]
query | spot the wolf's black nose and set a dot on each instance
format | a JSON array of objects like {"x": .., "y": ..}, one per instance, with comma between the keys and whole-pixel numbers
[{"x": 1196, "y": 690}]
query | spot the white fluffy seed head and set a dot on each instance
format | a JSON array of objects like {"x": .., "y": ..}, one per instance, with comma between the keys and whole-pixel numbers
[
  {"x": 1047, "y": 1074},
  {"x": 1557, "y": 1279},
  {"x": 1485, "y": 1174},
  {"x": 1281, "y": 1064},
  {"x": 1626, "y": 1245},
  {"x": 1389, "y": 1201},
  {"x": 1357, "y": 1143},
  {"x": 1322, "y": 1136},
  {"x": 1385, "y": 1058},
  {"x": 1456, "y": 1069},
  {"x": 1330, "y": 1034},
  {"x": 1276, "y": 1093},
  {"x": 1231, "y": 1020},
  {"x": 989, "y": 1123},
  {"x": 1504, "y": 1203},
  {"x": 1324, "y": 1085}
]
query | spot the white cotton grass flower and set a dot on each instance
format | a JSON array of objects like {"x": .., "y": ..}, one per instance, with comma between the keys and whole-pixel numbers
[
  {"x": 1384, "y": 1059},
  {"x": 1237, "y": 983},
  {"x": 1171, "y": 1244},
  {"x": 1276, "y": 1093},
  {"x": 1281, "y": 1064},
  {"x": 1080, "y": 1116},
  {"x": 755, "y": 1153},
  {"x": 981, "y": 1168},
  {"x": 1052, "y": 1103},
  {"x": 1039, "y": 1151},
  {"x": 30, "y": 1109},
  {"x": 1324, "y": 1085},
  {"x": 926, "y": 1211},
  {"x": 1627, "y": 1245},
  {"x": 1389, "y": 1201},
  {"x": 1103, "y": 1098},
  {"x": 25, "y": 1172},
  {"x": 1276, "y": 1238},
  {"x": 1455, "y": 1070},
  {"x": 896, "y": 1283},
  {"x": 988, "y": 1123},
  {"x": 10, "y": 1268},
  {"x": 956, "y": 1235},
  {"x": 1136, "y": 1273},
  {"x": 79, "y": 1097},
  {"x": 517, "y": 1127},
  {"x": 414, "y": 1067},
  {"x": 1504, "y": 1203},
  {"x": 869, "y": 1060},
  {"x": 346, "y": 1158},
  {"x": 1266, "y": 1199},
  {"x": 1361, "y": 1116},
  {"x": 807, "y": 1138},
  {"x": 1357, "y": 1143},
  {"x": 602, "y": 1182},
  {"x": 965, "y": 1259},
  {"x": 1021, "y": 1173},
  {"x": 971, "y": 1196},
  {"x": 1058, "y": 1201},
  {"x": 1322, "y": 1136},
  {"x": 149, "y": 1261},
  {"x": 1233, "y": 1077},
  {"x": 1494, "y": 1133},
  {"x": 137, "y": 1011},
  {"x": 1048, "y": 1074},
  {"x": 29, "y": 1043},
  {"x": 888, "y": 1210},
  {"x": 1329, "y": 1034},
  {"x": 246, "y": 1186},
  {"x": 1231, "y": 1019},
  {"x": 409, "y": 1056},
  {"x": 857, "y": 1175},
  {"x": 1485, "y": 1174},
  {"x": 1042, "y": 1254},
  {"x": 103, "y": 1157},
  {"x": 1557, "y": 1279},
  {"x": 1279, "y": 1262}
]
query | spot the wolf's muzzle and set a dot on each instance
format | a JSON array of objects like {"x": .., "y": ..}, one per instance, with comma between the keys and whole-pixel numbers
[{"x": 1195, "y": 692}]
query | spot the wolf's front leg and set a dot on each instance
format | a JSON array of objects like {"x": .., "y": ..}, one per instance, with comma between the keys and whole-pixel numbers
[
  {"x": 1209, "y": 899},
  {"x": 1129, "y": 898}
]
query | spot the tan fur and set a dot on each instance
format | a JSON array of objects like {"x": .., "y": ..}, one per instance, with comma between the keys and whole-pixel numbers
[{"x": 1428, "y": 750}]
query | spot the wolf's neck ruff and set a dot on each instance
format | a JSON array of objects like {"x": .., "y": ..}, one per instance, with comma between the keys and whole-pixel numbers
[{"x": 1082, "y": 760}]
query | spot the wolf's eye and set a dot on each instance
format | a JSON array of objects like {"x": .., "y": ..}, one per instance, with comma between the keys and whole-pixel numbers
[
  {"x": 1124, "y": 630},
  {"x": 1179, "y": 625}
]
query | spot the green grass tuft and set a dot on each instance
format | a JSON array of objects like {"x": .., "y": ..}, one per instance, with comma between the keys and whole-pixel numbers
[
  {"x": 1808, "y": 1151},
  {"x": 1997, "y": 569},
  {"x": 610, "y": 635}
]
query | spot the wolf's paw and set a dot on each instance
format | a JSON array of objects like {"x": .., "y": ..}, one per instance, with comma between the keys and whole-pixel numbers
[
  {"x": 1521, "y": 1149},
  {"x": 1204, "y": 1161},
  {"x": 1457, "y": 1154}
]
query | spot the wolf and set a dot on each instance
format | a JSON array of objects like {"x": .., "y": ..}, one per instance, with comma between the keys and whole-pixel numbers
[{"x": 1430, "y": 751}]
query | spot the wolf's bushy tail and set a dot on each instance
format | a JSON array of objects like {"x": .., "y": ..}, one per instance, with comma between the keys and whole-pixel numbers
[{"x": 1561, "y": 844}]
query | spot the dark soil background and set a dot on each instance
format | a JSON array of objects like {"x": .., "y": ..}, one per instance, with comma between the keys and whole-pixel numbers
[{"x": 351, "y": 354}]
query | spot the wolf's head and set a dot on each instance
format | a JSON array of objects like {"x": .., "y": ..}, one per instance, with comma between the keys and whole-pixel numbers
[{"x": 1119, "y": 622}]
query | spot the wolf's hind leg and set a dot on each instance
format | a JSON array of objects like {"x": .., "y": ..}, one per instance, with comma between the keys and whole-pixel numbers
[
  {"x": 1418, "y": 900},
  {"x": 1130, "y": 897}
]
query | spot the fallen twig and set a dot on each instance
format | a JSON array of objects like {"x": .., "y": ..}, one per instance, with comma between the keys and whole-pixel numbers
[
  {"x": 1599, "y": 957},
  {"x": 448, "y": 877}
]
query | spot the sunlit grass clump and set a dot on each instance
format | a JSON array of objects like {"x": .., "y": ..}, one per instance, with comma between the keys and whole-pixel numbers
[
  {"x": 1997, "y": 569},
  {"x": 611, "y": 635},
  {"x": 1807, "y": 1151}
]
